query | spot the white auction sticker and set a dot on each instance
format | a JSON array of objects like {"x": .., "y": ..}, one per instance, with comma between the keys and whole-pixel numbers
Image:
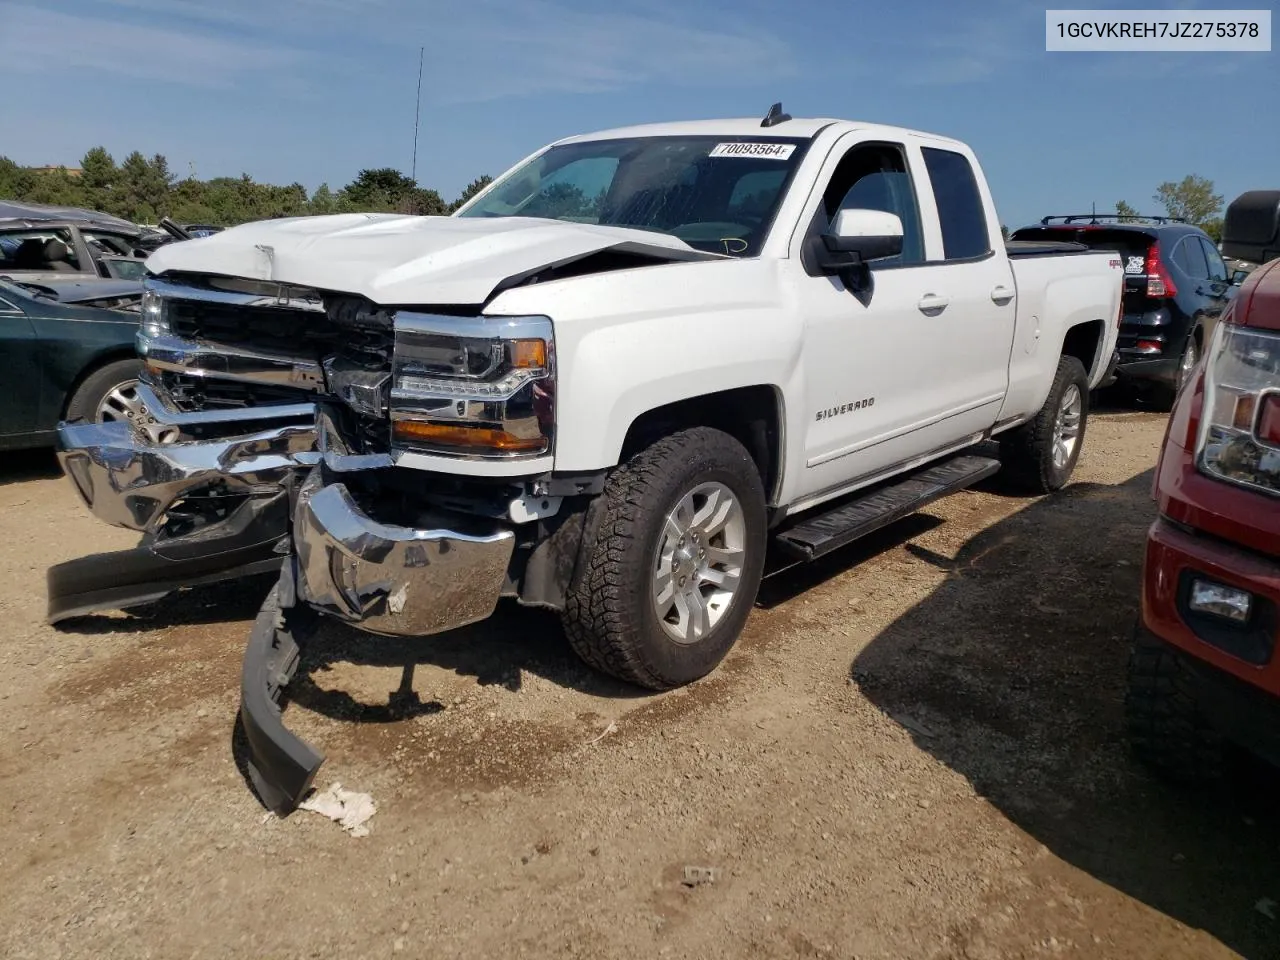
[{"x": 769, "y": 151}]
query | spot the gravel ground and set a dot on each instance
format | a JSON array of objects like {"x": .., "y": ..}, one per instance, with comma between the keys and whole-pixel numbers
[{"x": 915, "y": 752}]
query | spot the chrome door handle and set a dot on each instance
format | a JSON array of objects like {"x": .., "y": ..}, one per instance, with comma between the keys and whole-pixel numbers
[
  {"x": 1002, "y": 295},
  {"x": 932, "y": 302}
]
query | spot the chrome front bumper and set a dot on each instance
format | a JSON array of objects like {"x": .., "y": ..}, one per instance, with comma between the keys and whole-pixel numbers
[
  {"x": 396, "y": 580},
  {"x": 128, "y": 478}
]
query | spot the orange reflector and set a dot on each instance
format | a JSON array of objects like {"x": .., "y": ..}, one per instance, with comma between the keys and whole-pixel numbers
[
  {"x": 449, "y": 435},
  {"x": 1242, "y": 416},
  {"x": 528, "y": 354}
]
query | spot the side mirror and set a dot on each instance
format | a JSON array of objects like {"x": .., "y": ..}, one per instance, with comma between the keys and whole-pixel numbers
[
  {"x": 864, "y": 235},
  {"x": 1239, "y": 277}
]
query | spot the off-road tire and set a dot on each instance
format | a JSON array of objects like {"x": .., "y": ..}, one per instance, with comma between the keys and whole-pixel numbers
[
  {"x": 1026, "y": 454},
  {"x": 83, "y": 404},
  {"x": 609, "y": 615},
  {"x": 1166, "y": 728}
]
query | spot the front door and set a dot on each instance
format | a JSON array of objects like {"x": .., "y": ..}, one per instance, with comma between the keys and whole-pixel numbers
[
  {"x": 892, "y": 375},
  {"x": 19, "y": 372}
]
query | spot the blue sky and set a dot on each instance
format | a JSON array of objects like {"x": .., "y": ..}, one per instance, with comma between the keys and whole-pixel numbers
[{"x": 314, "y": 90}]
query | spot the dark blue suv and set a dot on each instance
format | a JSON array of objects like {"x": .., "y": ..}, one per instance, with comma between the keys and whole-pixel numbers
[{"x": 1176, "y": 284}]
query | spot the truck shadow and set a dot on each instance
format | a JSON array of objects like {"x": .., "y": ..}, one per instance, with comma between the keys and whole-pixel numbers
[
  {"x": 501, "y": 651},
  {"x": 513, "y": 643},
  {"x": 1012, "y": 673}
]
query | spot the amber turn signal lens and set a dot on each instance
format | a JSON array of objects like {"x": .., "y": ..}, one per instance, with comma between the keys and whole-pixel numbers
[
  {"x": 455, "y": 437},
  {"x": 1269, "y": 420},
  {"x": 1242, "y": 415},
  {"x": 528, "y": 354}
]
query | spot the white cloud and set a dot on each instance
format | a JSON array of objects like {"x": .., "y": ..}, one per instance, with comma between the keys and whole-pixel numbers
[
  {"x": 479, "y": 51},
  {"x": 530, "y": 47},
  {"x": 39, "y": 40}
]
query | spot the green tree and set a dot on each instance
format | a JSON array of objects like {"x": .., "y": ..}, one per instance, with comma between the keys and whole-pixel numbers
[
  {"x": 472, "y": 188},
  {"x": 424, "y": 203},
  {"x": 99, "y": 176},
  {"x": 324, "y": 200},
  {"x": 143, "y": 190},
  {"x": 15, "y": 182},
  {"x": 56, "y": 187},
  {"x": 1192, "y": 199},
  {"x": 1125, "y": 212},
  {"x": 379, "y": 190}
]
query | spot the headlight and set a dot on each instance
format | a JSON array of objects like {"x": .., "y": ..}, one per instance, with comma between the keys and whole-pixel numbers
[
  {"x": 154, "y": 320},
  {"x": 1239, "y": 438},
  {"x": 474, "y": 387}
]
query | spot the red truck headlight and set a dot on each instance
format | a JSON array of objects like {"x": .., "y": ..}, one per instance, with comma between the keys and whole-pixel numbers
[{"x": 1239, "y": 439}]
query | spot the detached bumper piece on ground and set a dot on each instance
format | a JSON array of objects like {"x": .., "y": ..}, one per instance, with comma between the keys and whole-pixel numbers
[
  {"x": 392, "y": 580},
  {"x": 208, "y": 492}
]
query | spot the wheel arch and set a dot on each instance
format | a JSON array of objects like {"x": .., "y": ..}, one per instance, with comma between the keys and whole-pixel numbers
[
  {"x": 1084, "y": 341},
  {"x": 753, "y": 415},
  {"x": 95, "y": 363}
]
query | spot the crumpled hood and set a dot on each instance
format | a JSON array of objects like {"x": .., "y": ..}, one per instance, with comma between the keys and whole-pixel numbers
[{"x": 394, "y": 260}]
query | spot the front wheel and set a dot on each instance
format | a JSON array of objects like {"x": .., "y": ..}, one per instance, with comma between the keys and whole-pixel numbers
[
  {"x": 1040, "y": 456},
  {"x": 1166, "y": 729},
  {"x": 670, "y": 572},
  {"x": 108, "y": 394}
]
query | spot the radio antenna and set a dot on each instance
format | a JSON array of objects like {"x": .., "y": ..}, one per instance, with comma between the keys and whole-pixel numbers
[{"x": 417, "y": 112}]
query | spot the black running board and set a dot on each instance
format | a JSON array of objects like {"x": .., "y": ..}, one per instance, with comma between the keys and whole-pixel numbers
[{"x": 814, "y": 537}]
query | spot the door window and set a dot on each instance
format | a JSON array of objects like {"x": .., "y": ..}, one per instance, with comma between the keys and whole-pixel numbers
[
  {"x": 38, "y": 250},
  {"x": 876, "y": 177},
  {"x": 1217, "y": 266},
  {"x": 955, "y": 189},
  {"x": 1189, "y": 255}
]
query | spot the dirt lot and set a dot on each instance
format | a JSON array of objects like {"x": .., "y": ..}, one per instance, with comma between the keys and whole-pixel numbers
[{"x": 916, "y": 752}]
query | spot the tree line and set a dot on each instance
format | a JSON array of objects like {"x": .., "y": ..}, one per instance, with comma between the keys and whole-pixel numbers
[
  {"x": 1191, "y": 199},
  {"x": 144, "y": 190}
]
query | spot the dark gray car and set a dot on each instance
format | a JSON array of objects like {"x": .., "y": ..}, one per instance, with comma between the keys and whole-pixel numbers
[{"x": 40, "y": 243}]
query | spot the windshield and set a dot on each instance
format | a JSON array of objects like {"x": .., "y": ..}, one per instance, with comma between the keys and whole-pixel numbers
[{"x": 714, "y": 193}]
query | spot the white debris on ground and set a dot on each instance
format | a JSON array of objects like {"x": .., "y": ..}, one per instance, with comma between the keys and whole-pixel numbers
[{"x": 348, "y": 809}]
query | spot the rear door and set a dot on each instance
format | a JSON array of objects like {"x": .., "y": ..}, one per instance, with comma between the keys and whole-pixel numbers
[{"x": 976, "y": 292}]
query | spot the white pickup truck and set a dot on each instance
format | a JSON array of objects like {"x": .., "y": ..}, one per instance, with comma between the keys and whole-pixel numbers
[{"x": 605, "y": 385}]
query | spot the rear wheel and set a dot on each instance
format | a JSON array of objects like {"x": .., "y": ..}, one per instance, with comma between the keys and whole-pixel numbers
[
  {"x": 670, "y": 573},
  {"x": 1165, "y": 395},
  {"x": 1039, "y": 456},
  {"x": 1166, "y": 728}
]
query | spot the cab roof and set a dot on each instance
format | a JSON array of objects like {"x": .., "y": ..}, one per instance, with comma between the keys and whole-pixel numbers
[{"x": 805, "y": 128}]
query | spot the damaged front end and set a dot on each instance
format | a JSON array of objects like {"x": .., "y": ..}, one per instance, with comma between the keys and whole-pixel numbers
[{"x": 232, "y": 373}]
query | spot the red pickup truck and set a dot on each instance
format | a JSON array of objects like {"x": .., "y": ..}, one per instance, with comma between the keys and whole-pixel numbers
[{"x": 1203, "y": 670}]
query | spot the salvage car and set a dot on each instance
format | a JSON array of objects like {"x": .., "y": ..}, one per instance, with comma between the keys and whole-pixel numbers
[
  {"x": 58, "y": 243},
  {"x": 1176, "y": 286},
  {"x": 603, "y": 386},
  {"x": 1203, "y": 672},
  {"x": 66, "y": 354}
]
